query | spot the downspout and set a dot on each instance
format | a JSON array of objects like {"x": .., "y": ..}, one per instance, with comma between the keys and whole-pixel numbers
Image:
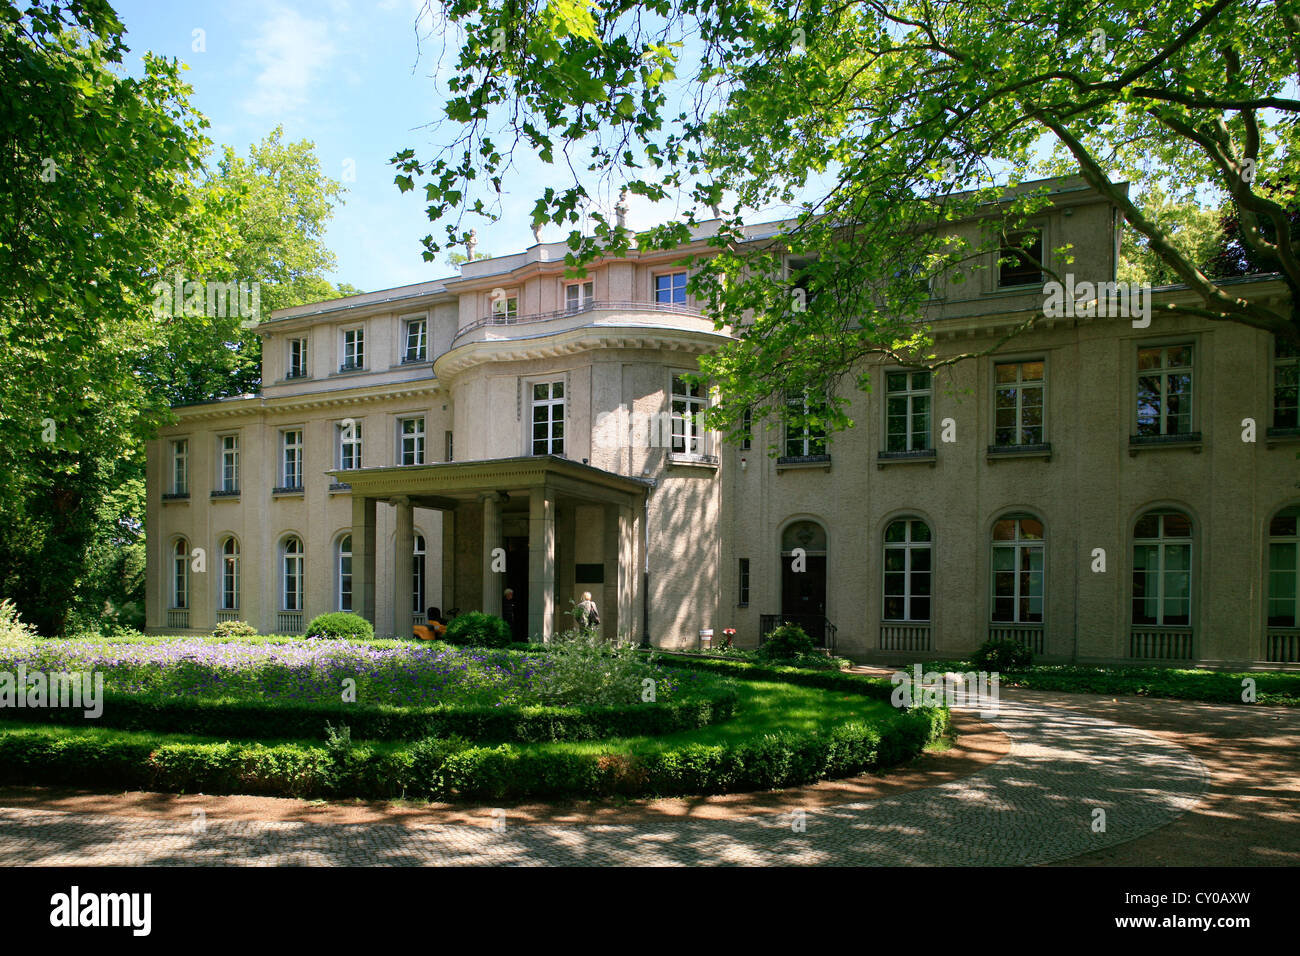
[{"x": 645, "y": 568}]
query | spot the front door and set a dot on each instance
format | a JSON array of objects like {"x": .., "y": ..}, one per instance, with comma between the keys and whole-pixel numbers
[
  {"x": 803, "y": 578},
  {"x": 516, "y": 610}
]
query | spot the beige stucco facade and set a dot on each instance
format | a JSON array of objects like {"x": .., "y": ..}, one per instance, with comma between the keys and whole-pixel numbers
[{"x": 663, "y": 539}]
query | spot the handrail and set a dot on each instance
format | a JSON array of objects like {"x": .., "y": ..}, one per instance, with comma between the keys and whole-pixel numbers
[{"x": 591, "y": 305}]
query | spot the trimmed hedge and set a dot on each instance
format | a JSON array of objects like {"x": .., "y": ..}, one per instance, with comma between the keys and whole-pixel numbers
[
  {"x": 256, "y": 719},
  {"x": 449, "y": 769},
  {"x": 878, "y": 688}
]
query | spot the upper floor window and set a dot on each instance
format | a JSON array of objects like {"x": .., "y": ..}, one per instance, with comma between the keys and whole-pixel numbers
[
  {"x": 410, "y": 432},
  {"x": 297, "y": 358},
  {"x": 805, "y": 436},
  {"x": 417, "y": 340},
  {"x": 503, "y": 306},
  {"x": 1286, "y": 378},
  {"x": 907, "y": 411},
  {"x": 230, "y": 575},
  {"x": 349, "y": 445},
  {"x": 291, "y": 458},
  {"x": 1162, "y": 569},
  {"x": 670, "y": 288},
  {"x": 907, "y": 570},
  {"x": 1283, "y": 568},
  {"x": 548, "y": 418},
  {"x": 1020, "y": 259},
  {"x": 354, "y": 349},
  {"x": 747, "y": 429},
  {"x": 181, "y": 466},
  {"x": 1019, "y": 391},
  {"x": 579, "y": 295},
  {"x": 180, "y": 574},
  {"x": 229, "y": 462},
  {"x": 688, "y": 402},
  {"x": 801, "y": 283},
  {"x": 1018, "y": 570},
  {"x": 1164, "y": 390}
]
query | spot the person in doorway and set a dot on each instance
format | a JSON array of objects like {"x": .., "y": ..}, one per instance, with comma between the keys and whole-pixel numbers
[
  {"x": 585, "y": 613},
  {"x": 508, "y": 608}
]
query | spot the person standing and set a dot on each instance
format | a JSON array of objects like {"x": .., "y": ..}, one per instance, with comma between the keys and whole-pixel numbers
[{"x": 586, "y": 614}]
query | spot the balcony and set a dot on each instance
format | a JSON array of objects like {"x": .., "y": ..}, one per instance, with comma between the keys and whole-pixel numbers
[{"x": 594, "y": 312}]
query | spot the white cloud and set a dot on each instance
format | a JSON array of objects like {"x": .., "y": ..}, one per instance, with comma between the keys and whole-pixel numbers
[{"x": 291, "y": 52}]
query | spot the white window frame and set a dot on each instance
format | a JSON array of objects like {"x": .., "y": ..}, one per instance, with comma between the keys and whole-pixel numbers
[
  {"x": 180, "y": 586},
  {"x": 672, "y": 290},
  {"x": 549, "y": 402},
  {"x": 504, "y": 310},
  {"x": 293, "y": 566},
  {"x": 356, "y": 349},
  {"x": 1163, "y": 372},
  {"x": 292, "y": 451},
  {"x": 1019, "y": 385},
  {"x": 1017, "y": 546},
  {"x": 908, "y": 546},
  {"x": 685, "y": 422},
  {"x": 180, "y": 466},
  {"x": 415, "y": 440},
  {"x": 806, "y": 438},
  {"x": 1279, "y": 363},
  {"x": 343, "y": 574},
  {"x": 910, "y": 394},
  {"x": 228, "y": 462},
  {"x": 228, "y": 584},
  {"x": 299, "y": 370},
  {"x": 1162, "y": 543},
  {"x": 419, "y": 578},
  {"x": 343, "y": 443},
  {"x": 586, "y": 294},
  {"x": 420, "y": 325}
]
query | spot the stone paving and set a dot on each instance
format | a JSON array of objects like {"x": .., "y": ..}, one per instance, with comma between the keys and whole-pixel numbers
[{"x": 1036, "y": 805}]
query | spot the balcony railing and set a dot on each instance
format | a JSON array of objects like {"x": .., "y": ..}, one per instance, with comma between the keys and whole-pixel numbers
[
  {"x": 178, "y": 617},
  {"x": 1032, "y": 636},
  {"x": 223, "y": 616},
  {"x": 1282, "y": 645},
  {"x": 1161, "y": 643},
  {"x": 591, "y": 305},
  {"x": 905, "y": 636},
  {"x": 816, "y": 626},
  {"x": 288, "y": 622}
]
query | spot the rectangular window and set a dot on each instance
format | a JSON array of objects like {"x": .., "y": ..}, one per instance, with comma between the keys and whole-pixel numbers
[
  {"x": 548, "y": 418},
  {"x": 180, "y": 577},
  {"x": 907, "y": 411},
  {"x": 411, "y": 441},
  {"x": 503, "y": 308},
  {"x": 450, "y": 456},
  {"x": 670, "y": 288},
  {"x": 688, "y": 402},
  {"x": 229, "y": 462},
  {"x": 181, "y": 466},
  {"x": 907, "y": 571},
  {"x": 1019, "y": 261},
  {"x": 747, "y": 427},
  {"x": 579, "y": 295},
  {"x": 1164, "y": 390},
  {"x": 1286, "y": 378},
  {"x": 744, "y": 582},
  {"x": 354, "y": 350},
  {"x": 291, "y": 459},
  {"x": 297, "y": 358},
  {"x": 349, "y": 445},
  {"x": 806, "y": 435},
  {"x": 1019, "y": 392},
  {"x": 417, "y": 340}
]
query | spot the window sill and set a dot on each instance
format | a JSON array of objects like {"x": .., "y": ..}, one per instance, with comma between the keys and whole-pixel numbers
[
  {"x": 229, "y": 495},
  {"x": 1281, "y": 436},
  {"x": 790, "y": 462},
  {"x": 677, "y": 458},
  {"x": 413, "y": 363},
  {"x": 337, "y": 487},
  {"x": 1191, "y": 440},
  {"x": 1043, "y": 451},
  {"x": 176, "y": 496},
  {"x": 287, "y": 491},
  {"x": 349, "y": 370},
  {"x": 294, "y": 379},
  {"x": 926, "y": 456}
]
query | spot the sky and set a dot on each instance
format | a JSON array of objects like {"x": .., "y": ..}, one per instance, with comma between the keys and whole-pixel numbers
[{"x": 349, "y": 76}]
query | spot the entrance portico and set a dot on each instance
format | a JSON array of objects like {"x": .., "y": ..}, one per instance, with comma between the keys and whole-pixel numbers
[{"x": 582, "y": 526}]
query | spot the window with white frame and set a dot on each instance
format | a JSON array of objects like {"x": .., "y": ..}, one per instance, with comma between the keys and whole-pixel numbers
[
  {"x": 417, "y": 574},
  {"x": 297, "y": 358},
  {"x": 907, "y": 571},
  {"x": 579, "y": 295},
  {"x": 1284, "y": 568},
  {"x": 181, "y": 466},
  {"x": 292, "y": 567},
  {"x": 1164, "y": 390},
  {"x": 908, "y": 411},
  {"x": 343, "y": 572},
  {"x": 1286, "y": 384},
  {"x": 291, "y": 458},
  {"x": 349, "y": 438},
  {"x": 417, "y": 340},
  {"x": 180, "y": 574},
  {"x": 805, "y": 432},
  {"x": 1018, "y": 570},
  {"x": 229, "y": 575},
  {"x": 689, "y": 400},
  {"x": 548, "y": 418},
  {"x": 503, "y": 306},
  {"x": 229, "y": 463},
  {"x": 1019, "y": 403},
  {"x": 1162, "y": 569},
  {"x": 354, "y": 349},
  {"x": 410, "y": 439},
  {"x": 670, "y": 288}
]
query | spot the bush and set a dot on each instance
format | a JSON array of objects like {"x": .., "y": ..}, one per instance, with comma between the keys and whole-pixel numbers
[
  {"x": 582, "y": 668},
  {"x": 341, "y": 625},
  {"x": 787, "y": 641},
  {"x": 478, "y": 629},
  {"x": 13, "y": 632},
  {"x": 235, "y": 629},
  {"x": 1002, "y": 656}
]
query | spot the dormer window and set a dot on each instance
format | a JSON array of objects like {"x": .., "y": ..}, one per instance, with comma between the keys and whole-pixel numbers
[{"x": 354, "y": 350}]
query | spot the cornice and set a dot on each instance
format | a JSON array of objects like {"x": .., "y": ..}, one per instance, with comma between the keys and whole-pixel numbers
[{"x": 335, "y": 398}]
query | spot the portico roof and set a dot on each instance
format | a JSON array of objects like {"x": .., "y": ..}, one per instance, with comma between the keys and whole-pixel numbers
[{"x": 445, "y": 484}]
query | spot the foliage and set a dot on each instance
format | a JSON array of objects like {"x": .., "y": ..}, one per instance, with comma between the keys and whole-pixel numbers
[
  {"x": 584, "y": 669},
  {"x": 13, "y": 632},
  {"x": 479, "y": 629},
  {"x": 998, "y": 656},
  {"x": 785, "y": 642},
  {"x": 341, "y": 625},
  {"x": 233, "y": 629}
]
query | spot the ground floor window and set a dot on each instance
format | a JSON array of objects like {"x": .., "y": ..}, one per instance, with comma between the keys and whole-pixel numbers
[
  {"x": 230, "y": 575},
  {"x": 907, "y": 570},
  {"x": 181, "y": 574},
  {"x": 417, "y": 572},
  {"x": 1018, "y": 570},
  {"x": 1162, "y": 569},
  {"x": 291, "y": 575},
  {"x": 343, "y": 570},
  {"x": 1283, "y": 568}
]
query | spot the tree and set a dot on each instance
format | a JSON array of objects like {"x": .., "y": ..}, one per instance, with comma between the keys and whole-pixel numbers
[{"x": 881, "y": 120}]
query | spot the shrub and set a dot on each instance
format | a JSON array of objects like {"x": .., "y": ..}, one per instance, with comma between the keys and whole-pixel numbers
[
  {"x": 787, "y": 641},
  {"x": 13, "y": 632},
  {"x": 582, "y": 668},
  {"x": 1002, "y": 656},
  {"x": 341, "y": 625},
  {"x": 235, "y": 629},
  {"x": 479, "y": 629}
]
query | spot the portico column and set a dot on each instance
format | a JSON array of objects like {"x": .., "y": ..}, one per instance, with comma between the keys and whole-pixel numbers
[
  {"x": 403, "y": 569},
  {"x": 541, "y": 563},
  {"x": 492, "y": 578},
  {"x": 363, "y": 557}
]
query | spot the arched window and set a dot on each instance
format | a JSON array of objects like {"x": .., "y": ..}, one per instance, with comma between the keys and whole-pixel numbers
[
  {"x": 1162, "y": 569},
  {"x": 181, "y": 574},
  {"x": 230, "y": 575},
  {"x": 1283, "y": 568},
  {"x": 343, "y": 572},
  {"x": 291, "y": 575},
  {"x": 1018, "y": 584},
  {"x": 907, "y": 570},
  {"x": 417, "y": 571}
]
